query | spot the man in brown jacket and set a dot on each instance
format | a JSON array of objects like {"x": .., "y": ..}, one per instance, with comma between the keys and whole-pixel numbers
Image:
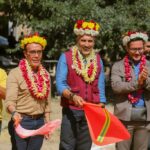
[
  {"x": 28, "y": 93},
  {"x": 130, "y": 80}
]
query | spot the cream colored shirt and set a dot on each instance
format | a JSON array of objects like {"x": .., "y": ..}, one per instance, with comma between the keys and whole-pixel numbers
[
  {"x": 18, "y": 95},
  {"x": 3, "y": 77}
]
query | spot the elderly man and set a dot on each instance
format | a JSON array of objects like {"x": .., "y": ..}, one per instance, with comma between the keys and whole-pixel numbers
[
  {"x": 28, "y": 93},
  {"x": 79, "y": 79},
  {"x": 130, "y": 80}
]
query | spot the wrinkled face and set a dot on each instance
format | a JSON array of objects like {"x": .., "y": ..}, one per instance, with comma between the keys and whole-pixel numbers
[
  {"x": 85, "y": 44},
  {"x": 147, "y": 47},
  {"x": 136, "y": 50},
  {"x": 33, "y": 53}
]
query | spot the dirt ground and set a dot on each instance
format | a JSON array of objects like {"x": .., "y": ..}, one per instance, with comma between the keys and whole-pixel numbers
[{"x": 53, "y": 142}]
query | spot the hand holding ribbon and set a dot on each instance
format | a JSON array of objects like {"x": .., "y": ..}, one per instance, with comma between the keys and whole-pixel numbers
[
  {"x": 46, "y": 129},
  {"x": 104, "y": 127}
]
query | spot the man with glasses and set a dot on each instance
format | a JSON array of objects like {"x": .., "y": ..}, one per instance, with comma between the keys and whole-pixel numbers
[
  {"x": 28, "y": 94},
  {"x": 131, "y": 84}
]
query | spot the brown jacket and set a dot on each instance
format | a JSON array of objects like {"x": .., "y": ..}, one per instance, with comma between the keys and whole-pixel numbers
[
  {"x": 18, "y": 95},
  {"x": 121, "y": 88}
]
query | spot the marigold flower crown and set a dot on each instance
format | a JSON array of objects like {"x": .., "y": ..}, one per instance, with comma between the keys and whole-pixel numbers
[
  {"x": 82, "y": 27},
  {"x": 33, "y": 38},
  {"x": 127, "y": 37}
]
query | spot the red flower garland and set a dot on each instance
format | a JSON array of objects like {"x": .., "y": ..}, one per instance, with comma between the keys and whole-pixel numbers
[
  {"x": 39, "y": 80},
  {"x": 128, "y": 77}
]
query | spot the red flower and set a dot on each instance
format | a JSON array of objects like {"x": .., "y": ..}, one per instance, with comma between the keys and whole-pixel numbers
[
  {"x": 90, "y": 70},
  {"x": 130, "y": 32},
  {"x": 79, "y": 23}
]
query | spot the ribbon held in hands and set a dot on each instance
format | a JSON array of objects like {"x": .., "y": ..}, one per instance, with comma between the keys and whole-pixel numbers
[
  {"x": 104, "y": 127},
  {"x": 48, "y": 128}
]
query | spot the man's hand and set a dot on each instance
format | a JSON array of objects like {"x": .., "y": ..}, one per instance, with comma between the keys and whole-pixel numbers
[
  {"x": 47, "y": 136},
  {"x": 78, "y": 101},
  {"x": 143, "y": 76},
  {"x": 102, "y": 105},
  {"x": 16, "y": 117}
]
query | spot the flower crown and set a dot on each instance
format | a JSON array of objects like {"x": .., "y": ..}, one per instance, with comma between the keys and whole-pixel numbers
[
  {"x": 127, "y": 37},
  {"x": 33, "y": 38},
  {"x": 82, "y": 27}
]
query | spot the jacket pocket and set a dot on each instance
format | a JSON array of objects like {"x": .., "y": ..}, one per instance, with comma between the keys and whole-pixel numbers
[{"x": 95, "y": 95}]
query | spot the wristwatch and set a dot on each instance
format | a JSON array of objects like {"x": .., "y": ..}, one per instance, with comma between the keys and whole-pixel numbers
[
  {"x": 13, "y": 113},
  {"x": 71, "y": 96}
]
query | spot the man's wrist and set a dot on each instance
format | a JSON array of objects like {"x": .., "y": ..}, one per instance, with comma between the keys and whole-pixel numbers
[
  {"x": 141, "y": 84},
  {"x": 102, "y": 104},
  {"x": 13, "y": 113},
  {"x": 71, "y": 96}
]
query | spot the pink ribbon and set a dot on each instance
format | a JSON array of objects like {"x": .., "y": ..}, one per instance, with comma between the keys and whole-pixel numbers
[{"x": 48, "y": 128}]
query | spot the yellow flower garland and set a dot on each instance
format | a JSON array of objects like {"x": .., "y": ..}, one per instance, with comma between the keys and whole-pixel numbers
[
  {"x": 33, "y": 39},
  {"x": 83, "y": 71}
]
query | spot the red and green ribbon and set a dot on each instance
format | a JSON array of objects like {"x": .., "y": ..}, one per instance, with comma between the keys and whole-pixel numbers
[{"x": 105, "y": 127}]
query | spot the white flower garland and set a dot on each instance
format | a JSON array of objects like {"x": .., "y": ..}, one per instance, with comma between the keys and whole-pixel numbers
[
  {"x": 86, "y": 31},
  {"x": 127, "y": 38},
  {"x": 87, "y": 71}
]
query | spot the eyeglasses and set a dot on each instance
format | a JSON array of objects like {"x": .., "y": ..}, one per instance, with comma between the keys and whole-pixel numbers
[
  {"x": 33, "y": 52},
  {"x": 148, "y": 46},
  {"x": 136, "y": 49}
]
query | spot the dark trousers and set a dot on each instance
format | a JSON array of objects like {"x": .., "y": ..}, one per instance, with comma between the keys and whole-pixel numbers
[
  {"x": 74, "y": 131},
  {"x": 139, "y": 136},
  {"x": 31, "y": 143},
  {"x": 12, "y": 135}
]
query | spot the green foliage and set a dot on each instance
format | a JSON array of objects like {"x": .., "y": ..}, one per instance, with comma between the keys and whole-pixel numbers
[
  {"x": 55, "y": 19},
  {"x": 1, "y": 4}
]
